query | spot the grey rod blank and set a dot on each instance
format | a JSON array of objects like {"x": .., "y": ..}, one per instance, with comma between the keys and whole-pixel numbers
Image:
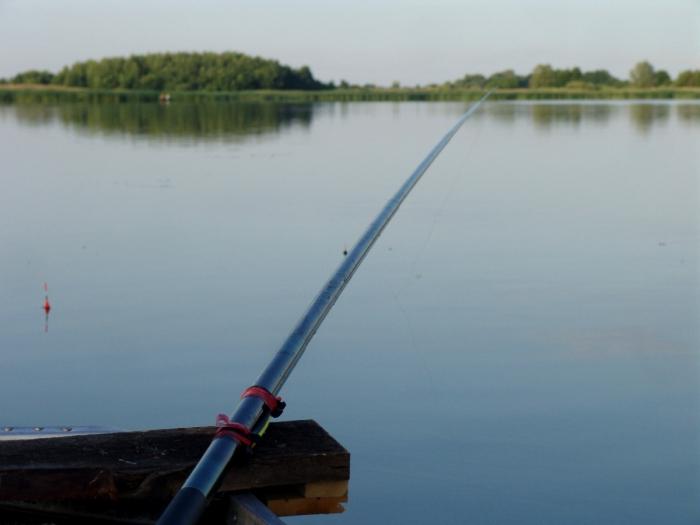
[{"x": 188, "y": 504}]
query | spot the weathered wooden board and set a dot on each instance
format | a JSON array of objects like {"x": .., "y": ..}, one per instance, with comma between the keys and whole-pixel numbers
[
  {"x": 246, "y": 509},
  {"x": 138, "y": 472}
]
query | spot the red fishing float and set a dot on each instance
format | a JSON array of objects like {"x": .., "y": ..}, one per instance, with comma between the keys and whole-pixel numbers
[{"x": 47, "y": 304}]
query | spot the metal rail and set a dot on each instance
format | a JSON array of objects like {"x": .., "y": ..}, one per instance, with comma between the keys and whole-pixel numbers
[
  {"x": 11, "y": 433},
  {"x": 189, "y": 503}
]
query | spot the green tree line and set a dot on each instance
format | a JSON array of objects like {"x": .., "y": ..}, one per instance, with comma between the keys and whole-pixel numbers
[
  {"x": 642, "y": 75},
  {"x": 237, "y": 72},
  {"x": 178, "y": 72}
]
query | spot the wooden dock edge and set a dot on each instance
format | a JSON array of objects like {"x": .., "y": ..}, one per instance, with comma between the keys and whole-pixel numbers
[{"x": 298, "y": 468}]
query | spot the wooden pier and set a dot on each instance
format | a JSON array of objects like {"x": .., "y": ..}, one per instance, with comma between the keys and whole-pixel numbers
[{"x": 129, "y": 477}]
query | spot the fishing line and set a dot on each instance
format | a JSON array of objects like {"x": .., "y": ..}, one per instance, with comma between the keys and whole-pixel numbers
[
  {"x": 455, "y": 177},
  {"x": 413, "y": 340},
  {"x": 395, "y": 292}
]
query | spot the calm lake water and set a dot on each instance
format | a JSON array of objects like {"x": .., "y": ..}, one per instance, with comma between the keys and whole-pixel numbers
[{"x": 521, "y": 346}]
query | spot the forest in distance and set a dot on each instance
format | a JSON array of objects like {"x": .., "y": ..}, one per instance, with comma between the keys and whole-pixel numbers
[{"x": 231, "y": 72}]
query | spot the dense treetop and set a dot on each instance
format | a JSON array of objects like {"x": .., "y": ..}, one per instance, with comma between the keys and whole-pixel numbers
[
  {"x": 179, "y": 72},
  {"x": 236, "y": 72},
  {"x": 643, "y": 75}
]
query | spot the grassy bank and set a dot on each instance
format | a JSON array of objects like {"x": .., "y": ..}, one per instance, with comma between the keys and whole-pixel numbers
[{"x": 31, "y": 93}]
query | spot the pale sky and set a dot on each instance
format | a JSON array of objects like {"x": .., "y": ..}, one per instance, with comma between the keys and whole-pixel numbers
[{"x": 363, "y": 41}]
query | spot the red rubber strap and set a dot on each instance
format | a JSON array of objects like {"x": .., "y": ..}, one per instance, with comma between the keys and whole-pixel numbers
[
  {"x": 273, "y": 403},
  {"x": 232, "y": 430}
]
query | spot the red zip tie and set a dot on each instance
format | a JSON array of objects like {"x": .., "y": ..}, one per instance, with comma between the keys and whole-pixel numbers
[
  {"x": 274, "y": 403},
  {"x": 232, "y": 430}
]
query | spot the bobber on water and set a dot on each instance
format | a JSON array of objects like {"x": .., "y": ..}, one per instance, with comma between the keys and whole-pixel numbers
[{"x": 47, "y": 304}]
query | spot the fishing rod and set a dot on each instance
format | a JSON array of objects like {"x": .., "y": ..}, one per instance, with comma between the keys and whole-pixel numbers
[{"x": 260, "y": 402}]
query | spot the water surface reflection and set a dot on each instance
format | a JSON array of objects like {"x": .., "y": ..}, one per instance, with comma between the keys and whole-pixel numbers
[
  {"x": 547, "y": 115},
  {"x": 192, "y": 121},
  {"x": 227, "y": 121},
  {"x": 644, "y": 116}
]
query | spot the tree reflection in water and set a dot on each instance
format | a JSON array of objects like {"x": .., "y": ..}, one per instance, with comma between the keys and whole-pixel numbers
[{"x": 223, "y": 121}]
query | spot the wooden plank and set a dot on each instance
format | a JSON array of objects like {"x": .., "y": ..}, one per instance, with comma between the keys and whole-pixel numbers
[
  {"x": 298, "y": 506},
  {"x": 326, "y": 489},
  {"x": 246, "y": 509},
  {"x": 136, "y": 473},
  {"x": 47, "y": 514},
  {"x": 153, "y": 464},
  {"x": 292, "y": 500}
]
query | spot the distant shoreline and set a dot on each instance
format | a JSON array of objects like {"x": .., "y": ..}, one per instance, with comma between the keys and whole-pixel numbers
[{"x": 40, "y": 93}]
